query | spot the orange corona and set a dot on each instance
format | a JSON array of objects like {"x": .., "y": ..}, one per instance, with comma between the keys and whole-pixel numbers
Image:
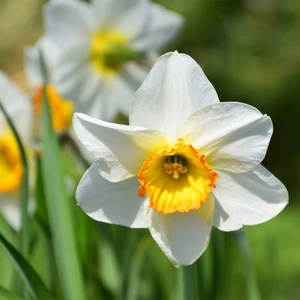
[
  {"x": 11, "y": 169},
  {"x": 60, "y": 108},
  {"x": 176, "y": 180}
]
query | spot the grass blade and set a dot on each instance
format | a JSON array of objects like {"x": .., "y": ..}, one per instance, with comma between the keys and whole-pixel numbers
[
  {"x": 26, "y": 272},
  {"x": 24, "y": 245},
  {"x": 59, "y": 212},
  {"x": 7, "y": 295}
]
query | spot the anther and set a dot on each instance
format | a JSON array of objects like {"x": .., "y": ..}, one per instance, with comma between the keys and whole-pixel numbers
[{"x": 175, "y": 165}]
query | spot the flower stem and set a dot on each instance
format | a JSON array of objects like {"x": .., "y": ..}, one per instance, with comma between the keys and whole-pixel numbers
[
  {"x": 190, "y": 286},
  {"x": 251, "y": 287}
]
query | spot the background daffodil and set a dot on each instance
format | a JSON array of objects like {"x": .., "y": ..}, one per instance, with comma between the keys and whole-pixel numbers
[
  {"x": 18, "y": 107},
  {"x": 185, "y": 163},
  {"x": 61, "y": 109},
  {"x": 105, "y": 49}
]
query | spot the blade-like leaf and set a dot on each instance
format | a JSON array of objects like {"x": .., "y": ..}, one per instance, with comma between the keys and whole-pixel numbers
[
  {"x": 24, "y": 192},
  {"x": 59, "y": 211},
  {"x": 26, "y": 272},
  {"x": 7, "y": 295},
  {"x": 24, "y": 187},
  {"x": 7, "y": 231}
]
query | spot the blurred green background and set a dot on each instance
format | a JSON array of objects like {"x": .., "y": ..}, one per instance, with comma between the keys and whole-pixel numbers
[{"x": 250, "y": 51}]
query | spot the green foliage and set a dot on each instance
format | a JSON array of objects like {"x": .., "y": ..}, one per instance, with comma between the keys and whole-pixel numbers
[
  {"x": 25, "y": 271},
  {"x": 60, "y": 217},
  {"x": 7, "y": 295}
]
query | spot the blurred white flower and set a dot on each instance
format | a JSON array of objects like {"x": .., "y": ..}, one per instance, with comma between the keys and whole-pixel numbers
[
  {"x": 185, "y": 162},
  {"x": 19, "y": 108},
  {"x": 61, "y": 109},
  {"x": 104, "y": 50}
]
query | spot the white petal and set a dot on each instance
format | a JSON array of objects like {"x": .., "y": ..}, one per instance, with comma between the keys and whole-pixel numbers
[
  {"x": 75, "y": 79},
  {"x": 18, "y": 106},
  {"x": 32, "y": 60},
  {"x": 99, "y": 97},
  {"x": 105, "y": 104},
  {"x": 134, "y": 74},
  {"x": 10, "y": 208},
  {"x": 114, "y": 96},
  {"x": 162, "y": 27},
  {"x": 83, "y": 151},
  {"x": 183, "y": 237},
  {"x": 116, "y": 203},
  {"x": 247, "y": 198},
  {"x": 174, "y": 89},
  {"x": 66, "y": 21},
  {"x": 233, "y": 136},
  {"x": 126, "y": 16},
  {"x": 126, "y": 84},
  {"x": 119, "y": 150}
]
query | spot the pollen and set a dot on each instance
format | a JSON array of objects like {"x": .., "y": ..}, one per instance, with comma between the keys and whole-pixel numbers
[
  {"x": 176, "y": 180},
  {"x": 61, "y": 109},
  {"x": 11, "y": 169}
]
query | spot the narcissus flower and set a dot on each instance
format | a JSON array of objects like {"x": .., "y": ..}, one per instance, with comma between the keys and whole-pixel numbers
[
  {"x": 61, "y": 109},
  {"x": 185, "y": 163},
  {"x": 19, "y": 108},
  {"x": 105, "y": 49}
]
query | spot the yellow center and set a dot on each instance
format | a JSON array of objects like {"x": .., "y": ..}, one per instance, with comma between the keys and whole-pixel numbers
[
  {"x": 61, "y": 109},
  {"x": 104, "y": 49},
  {"x": 11, "y": 169},
  {"x": 176, "y": 180}
]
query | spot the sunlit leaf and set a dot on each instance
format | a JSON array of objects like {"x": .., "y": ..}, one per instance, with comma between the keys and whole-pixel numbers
[
  {"x": 59, "y": 212},
  {"x": 26, "y": 272},
  {"x": 7, "y": 295}
]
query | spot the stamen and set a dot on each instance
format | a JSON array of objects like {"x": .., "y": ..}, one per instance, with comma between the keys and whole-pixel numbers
[
  {"x": 175, "y": 165},
  {"x": 178, "y": 192}
]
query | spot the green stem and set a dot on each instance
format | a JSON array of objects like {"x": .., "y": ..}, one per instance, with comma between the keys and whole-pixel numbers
[
  {"x": 251, "y": 284},
  {"x": 190, "y": 286},
  {"x": 219, "y": 259}
]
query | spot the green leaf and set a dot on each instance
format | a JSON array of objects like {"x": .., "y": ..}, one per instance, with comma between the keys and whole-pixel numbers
[
  {"x": 24, "y": 187},
  {"x": 59, "y": 211},
  {"x": 26, "y": 272},
  {"x": 251, "y": 284},
  {"x": 205, "y": 273},
  {"x": 136, "y": 262},
  {"x": 24, "y": 192},
  {"x": 7, "y": 295},
  {"x": 218, "y": 243},
  {"x": 7, "y": 231}
]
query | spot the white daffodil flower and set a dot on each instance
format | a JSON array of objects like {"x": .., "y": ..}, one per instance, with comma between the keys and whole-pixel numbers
[
  {"x": 61, "y": 109},
  {"x": 105, "y": 49},
  {"x": 185, "y": 163},
  {"x": 18, "y": 107}
]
